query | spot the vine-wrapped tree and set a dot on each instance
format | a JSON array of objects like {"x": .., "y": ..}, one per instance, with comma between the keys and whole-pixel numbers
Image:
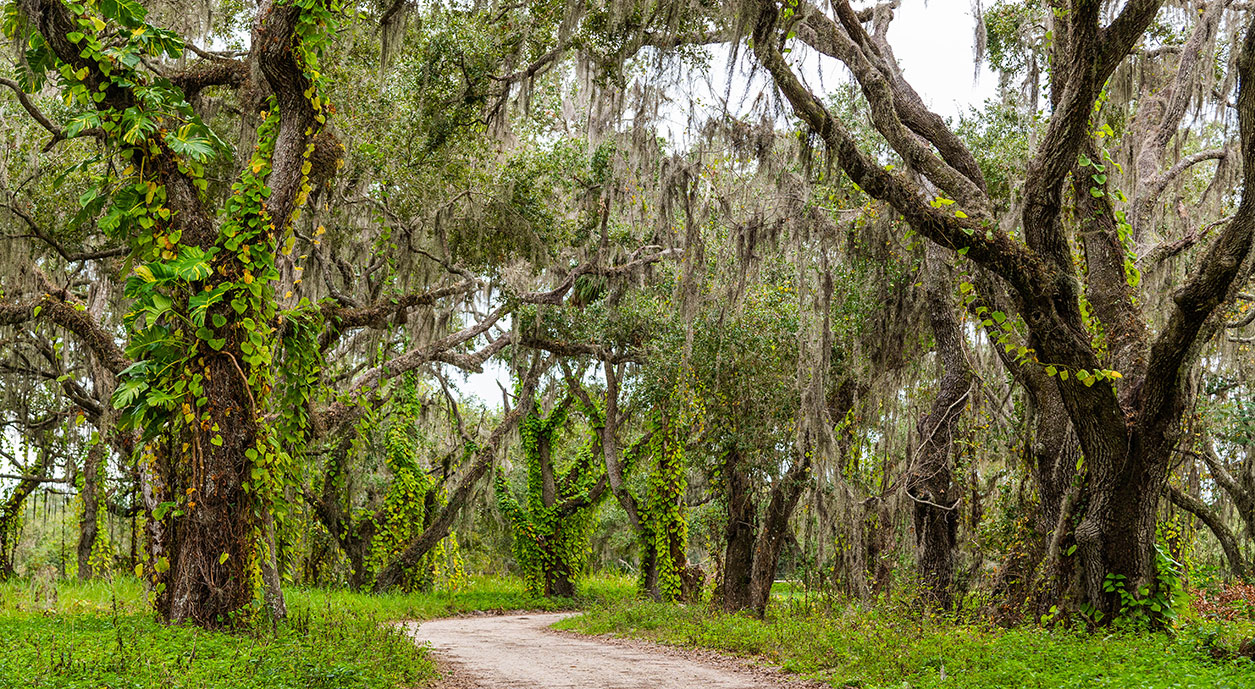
[{"x": 197, "y": 370}]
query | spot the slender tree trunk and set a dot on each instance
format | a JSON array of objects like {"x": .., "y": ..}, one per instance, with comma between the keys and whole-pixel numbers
[
  {"x": 272, "y": 582},
  {"x": 775, "y": 529},
  {"x": 741, "y": 532},
  {"x": 90, "y": 495},
  {"x": 931, "y": 483}
]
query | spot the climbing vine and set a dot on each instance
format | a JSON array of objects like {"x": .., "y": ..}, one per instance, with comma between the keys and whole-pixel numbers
[
  {"x": 665, "y": 520},
  {"x": 411, "y": 499},
  {"x": 551, "y": 532},
  {"x": 203, "y": 306}
]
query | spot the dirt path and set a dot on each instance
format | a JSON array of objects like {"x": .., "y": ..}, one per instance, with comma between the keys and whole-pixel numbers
[{"x": 521, "y": 652}]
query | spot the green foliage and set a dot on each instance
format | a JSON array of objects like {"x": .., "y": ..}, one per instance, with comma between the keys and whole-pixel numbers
[
  {"x": 411, "y": 497},
  {"x": 1157, "y": 603},
  {"x": 665, "y": 519},
  {"x": 181, "y": 287}
]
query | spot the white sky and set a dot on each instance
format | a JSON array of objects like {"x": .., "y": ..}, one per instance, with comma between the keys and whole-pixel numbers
[{"x": 932, "y": 40}]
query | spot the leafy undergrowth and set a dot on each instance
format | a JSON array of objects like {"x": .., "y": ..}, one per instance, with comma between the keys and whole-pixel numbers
[
  {"x": 103, "y": 634},
  {"x": 1226, "y": 602},
  {"x": 880, "y": 648}
]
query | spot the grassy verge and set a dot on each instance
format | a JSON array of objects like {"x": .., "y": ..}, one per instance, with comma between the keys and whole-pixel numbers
[
  {"x": 103, "y": 634},
  {"x": 881, "y": 648},
  {"x": 483, "y": 593}
]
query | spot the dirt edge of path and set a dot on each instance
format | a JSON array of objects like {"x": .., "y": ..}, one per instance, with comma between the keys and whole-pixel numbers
[
  {"x": 455, "y": 675},
  {"x": 759, "y": 667}
]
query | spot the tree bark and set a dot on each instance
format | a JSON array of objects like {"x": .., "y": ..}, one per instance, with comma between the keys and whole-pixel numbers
[
  {"x": 931, "y": 483},
  {"x": 90, "y": 496},
  {"x": 775, "y": 529},
  {"x": 741, "y": 533}
]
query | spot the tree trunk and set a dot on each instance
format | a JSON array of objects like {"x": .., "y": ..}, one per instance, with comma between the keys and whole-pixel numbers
[
  {"x": 649, "y": 565},
  {"x": 90, "y": 495},
  {"x": 1116, "y": 536},
  {"x": 931, "y": 484},
  {"x": 775, "y": 530},
  {"x": 559, "y": 579},
  {"x": 741, "y": 532},
  {"x": 213, "y": 544},
  {"x": 617, "y": 463},
  {"x": 272, "y": 582}
]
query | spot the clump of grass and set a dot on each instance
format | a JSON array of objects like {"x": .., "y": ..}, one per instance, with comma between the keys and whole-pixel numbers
[
  {"x": 884, "y": 647},
  {"x": 103, "y": 634}
]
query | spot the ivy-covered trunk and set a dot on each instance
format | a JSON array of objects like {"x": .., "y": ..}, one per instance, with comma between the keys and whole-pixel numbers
[
  {"x": 202, "y": 321},
  {"x": 90, "y": 496},
  {"x": 668, "y": 524},
  {"x": 551, "y": 523},
  {"x": 211, "y": 536}
]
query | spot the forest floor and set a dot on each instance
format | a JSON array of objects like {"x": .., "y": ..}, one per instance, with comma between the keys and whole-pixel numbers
[{"x": 523, "y": 652}]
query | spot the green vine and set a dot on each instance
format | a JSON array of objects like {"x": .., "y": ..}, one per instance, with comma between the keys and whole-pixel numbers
[
  {"x": 664, "y": 519},
  {"x": 551, "y": 540},
  {"x": 410, "y": 501}
]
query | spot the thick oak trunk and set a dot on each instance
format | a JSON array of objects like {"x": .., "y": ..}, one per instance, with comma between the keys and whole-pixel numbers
[{"x": 212, "y": 546}]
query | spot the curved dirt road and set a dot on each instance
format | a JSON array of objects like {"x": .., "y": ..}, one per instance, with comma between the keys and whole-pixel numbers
[{"x": 521, "y": 652}]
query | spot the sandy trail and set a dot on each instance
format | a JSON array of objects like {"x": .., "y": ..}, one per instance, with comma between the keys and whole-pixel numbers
[{"x": 521, "y": 652}]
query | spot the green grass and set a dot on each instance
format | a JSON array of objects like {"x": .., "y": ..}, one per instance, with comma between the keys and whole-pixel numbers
[
  {"x": 880, "y": 648},
  {"x": 483, "y": 593},
  {"x": 103, "y": 634}
]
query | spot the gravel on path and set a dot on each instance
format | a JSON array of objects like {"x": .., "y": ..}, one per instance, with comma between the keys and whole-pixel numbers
[{"x": 521, "y": 652}]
